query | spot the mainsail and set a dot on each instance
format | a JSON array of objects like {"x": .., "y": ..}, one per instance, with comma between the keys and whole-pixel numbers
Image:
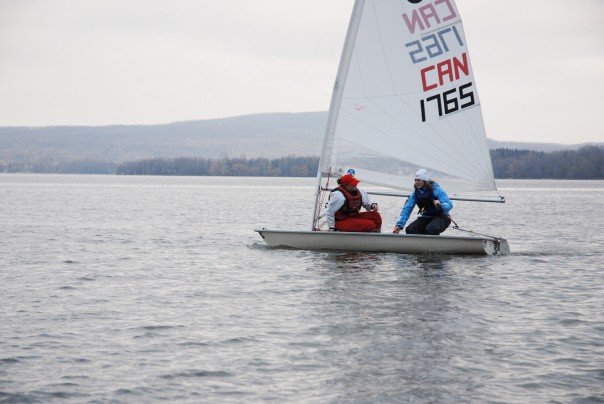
[{"x": 404, "y": 98}]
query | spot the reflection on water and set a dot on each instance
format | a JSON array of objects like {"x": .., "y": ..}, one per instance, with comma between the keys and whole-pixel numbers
[
  {"x": 351, "y": 261},
  {"x": 433, "y": 263},
  {"x": 392, "y": 320}
]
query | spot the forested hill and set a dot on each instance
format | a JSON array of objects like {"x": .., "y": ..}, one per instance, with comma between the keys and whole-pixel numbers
[
  {"x": 260, "y": 135},
  {"x": 585, "y": 163},
  {"x": 207, "y": 147}
]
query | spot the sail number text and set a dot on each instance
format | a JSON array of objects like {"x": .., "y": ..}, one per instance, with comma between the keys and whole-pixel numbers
[
  {"x": 432, "y": 45},
  {"x": 449, "y": 102}
]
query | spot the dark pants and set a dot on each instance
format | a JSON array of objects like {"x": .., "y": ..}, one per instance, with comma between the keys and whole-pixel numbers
[{"x": 429, "y": 225}]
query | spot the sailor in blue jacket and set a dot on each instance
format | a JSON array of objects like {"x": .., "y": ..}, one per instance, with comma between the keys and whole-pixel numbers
[{"x": 434, "y": 207}]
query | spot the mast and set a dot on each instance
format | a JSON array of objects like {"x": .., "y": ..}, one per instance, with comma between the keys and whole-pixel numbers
[{"x": 336, "y": 98}]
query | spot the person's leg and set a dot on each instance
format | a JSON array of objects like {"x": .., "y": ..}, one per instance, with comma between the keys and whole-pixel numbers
[
  {"x": 373, "y": 216},
  {"x": 438, "y": 225},
  {"x": 355, "y": 224},
  {"x": 418, "y": 226}
]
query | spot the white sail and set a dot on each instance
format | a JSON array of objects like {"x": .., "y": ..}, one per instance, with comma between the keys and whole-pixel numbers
[{"x": 405, "y": 97}]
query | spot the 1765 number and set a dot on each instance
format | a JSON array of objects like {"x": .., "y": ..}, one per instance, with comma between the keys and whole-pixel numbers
[{"x": 448, "y": 102}]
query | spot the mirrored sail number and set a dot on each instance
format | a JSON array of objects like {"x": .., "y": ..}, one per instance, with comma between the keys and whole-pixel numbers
[
  {"x": 432, "y": 45},
  {"x": 448, "y": 102}
]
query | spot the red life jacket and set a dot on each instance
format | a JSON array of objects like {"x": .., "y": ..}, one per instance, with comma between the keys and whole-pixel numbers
[{"x": 353, "y": 204}]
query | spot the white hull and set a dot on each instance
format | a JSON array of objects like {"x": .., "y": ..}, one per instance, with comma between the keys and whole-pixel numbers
[{"x": 384, "y": 242}]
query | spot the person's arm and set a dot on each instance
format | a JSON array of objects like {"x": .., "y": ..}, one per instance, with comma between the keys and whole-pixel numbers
[
  {"x": 444, "y": 201},
  {"x": 405, "y": 213},
  {"x": 367, "y": 204},
  {"x": 336, "y": 201}
]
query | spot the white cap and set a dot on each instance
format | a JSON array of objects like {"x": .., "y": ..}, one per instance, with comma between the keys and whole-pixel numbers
[{"x": 422, "y": 174}]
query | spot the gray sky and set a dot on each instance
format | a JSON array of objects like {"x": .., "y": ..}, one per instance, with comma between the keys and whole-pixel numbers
[{"x": 539, "y": 64}]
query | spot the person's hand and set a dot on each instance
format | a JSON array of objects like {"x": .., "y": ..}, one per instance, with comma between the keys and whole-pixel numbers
[
  {"x": 374, "y": 207},
  {"x": 438, "y": 206},
  {"x": 396, "y": 230}
]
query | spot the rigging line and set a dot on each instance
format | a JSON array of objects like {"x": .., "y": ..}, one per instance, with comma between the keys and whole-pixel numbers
[
  {"x": 387, "y": 62},
  {"x": 473, "y": 232},
  {"x": 393, "y": 138},
  {"x": 317, "y": 224}
]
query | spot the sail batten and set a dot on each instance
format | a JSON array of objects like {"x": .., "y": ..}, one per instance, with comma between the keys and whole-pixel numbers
[{"x": 405, "y": 97}]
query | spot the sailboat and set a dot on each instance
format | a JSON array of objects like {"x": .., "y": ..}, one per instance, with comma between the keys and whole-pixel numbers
[{"x": 404, "y": 98}]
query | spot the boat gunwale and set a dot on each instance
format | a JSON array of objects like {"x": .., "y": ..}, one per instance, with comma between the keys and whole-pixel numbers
[{"x": 359, "y": 234}]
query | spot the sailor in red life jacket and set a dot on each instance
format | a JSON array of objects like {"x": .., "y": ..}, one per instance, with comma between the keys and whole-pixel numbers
[{"x": 343, "y": 210}]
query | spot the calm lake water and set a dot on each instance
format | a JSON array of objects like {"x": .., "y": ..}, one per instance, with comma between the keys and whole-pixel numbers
[{"x": 140, "y": 289}]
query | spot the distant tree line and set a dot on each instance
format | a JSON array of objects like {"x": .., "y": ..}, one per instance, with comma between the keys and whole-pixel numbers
[
  {"x": 582, "y": 164},
  {"x": 585, "y": 163},
  {"x": 256, "y": 167},
  {"x": 59, "y": 167}
]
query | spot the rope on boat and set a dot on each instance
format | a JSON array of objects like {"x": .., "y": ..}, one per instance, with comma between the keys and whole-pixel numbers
[
  {"x": 456, "y": 227},
  {"x": 318, "y": 215}
]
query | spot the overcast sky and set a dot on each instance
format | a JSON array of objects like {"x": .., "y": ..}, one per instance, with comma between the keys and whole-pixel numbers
[{"x": 539, "y": 64}]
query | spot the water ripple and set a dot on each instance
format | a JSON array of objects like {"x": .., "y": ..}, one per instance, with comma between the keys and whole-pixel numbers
[
  {"x": 139, "y": 290},
  {"x": 198, "y": 373}
]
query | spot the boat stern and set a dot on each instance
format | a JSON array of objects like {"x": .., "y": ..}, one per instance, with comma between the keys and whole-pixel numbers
[{"x": 498, "y": 246}]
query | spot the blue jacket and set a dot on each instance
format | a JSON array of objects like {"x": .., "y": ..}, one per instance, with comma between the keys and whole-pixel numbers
[{"x": 438, "y": 192}]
